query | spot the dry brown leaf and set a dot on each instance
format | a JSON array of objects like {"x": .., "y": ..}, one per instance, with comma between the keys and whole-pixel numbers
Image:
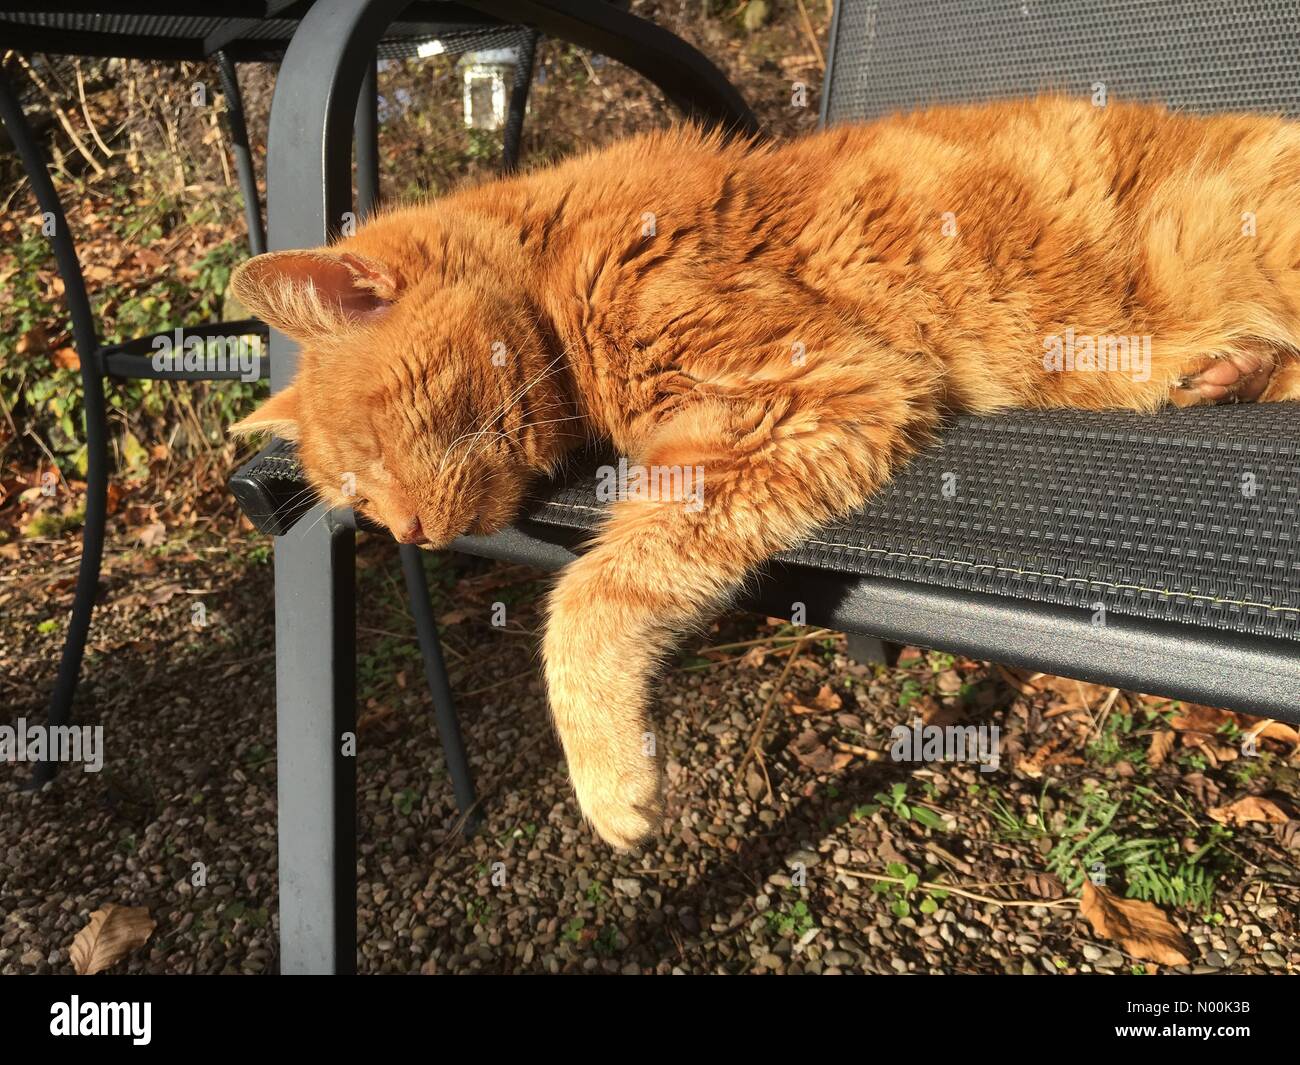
[
  {"x": 1045, "y": 885},
  {"x": 1140, "y": 928},
  {"x": 453, "y": 617},
  {"x": 67, "y": 359},
  {"x": 1034, "y": 765},
  {"x": 1268, "y": 729},
  {"x": 151, "y": 535},
  {"x": 827, "y": 699},
  {"x": 1217, "y": 753},
  {"x": 1070, "y": 694},
  {"x": 32, "y": 340},
  {"x": 112, "y": 933},
  {"x": 164, "y": 593},
  {"x": 754, "y": 657},
  {"x": 1192, "y": 717},
  {"x": 1202, "y": 788},
  {"x": 817, "y": 756},
  {"x": 1161, "y": 744},
  {"x": 1251, "y": 808}
]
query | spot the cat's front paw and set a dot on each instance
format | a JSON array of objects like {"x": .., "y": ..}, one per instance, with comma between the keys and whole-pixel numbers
[{"x": 626, "y": 809}]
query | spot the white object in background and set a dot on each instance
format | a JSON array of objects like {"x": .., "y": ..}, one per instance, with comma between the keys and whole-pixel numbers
[{"x": 488, "y": 78}]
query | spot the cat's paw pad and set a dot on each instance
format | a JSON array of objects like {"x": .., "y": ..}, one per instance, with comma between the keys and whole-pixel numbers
[{"x": 1241, "y": 377}]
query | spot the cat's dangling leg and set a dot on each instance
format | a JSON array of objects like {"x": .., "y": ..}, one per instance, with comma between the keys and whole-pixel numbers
[{"x": 755, "y": 476}]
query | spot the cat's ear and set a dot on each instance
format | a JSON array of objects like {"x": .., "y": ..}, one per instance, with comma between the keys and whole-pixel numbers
[
  {"x": 312, "y": 294},
  {"x": 278, "y": 416}
]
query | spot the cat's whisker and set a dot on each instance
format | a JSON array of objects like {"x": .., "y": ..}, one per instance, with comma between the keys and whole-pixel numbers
[
  {"x": 522, "y": 391},
  {"x": 282, "y": 507},
  {"x": 533, "y": 424},
  {"x": 550, "y": 370},
  {"x": 466, "y": 436}
]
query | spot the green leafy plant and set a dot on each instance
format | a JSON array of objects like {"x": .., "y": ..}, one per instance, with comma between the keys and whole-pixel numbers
[
  {"x": 794, "y": 919},
  {"x": 899, "y": 891}
]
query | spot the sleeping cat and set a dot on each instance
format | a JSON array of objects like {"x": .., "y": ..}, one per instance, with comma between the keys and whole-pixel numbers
[{"x": 791, "y": 320}]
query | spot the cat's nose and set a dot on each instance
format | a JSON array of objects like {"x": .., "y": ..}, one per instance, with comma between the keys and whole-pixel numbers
[{"x": 412, "y": 534}]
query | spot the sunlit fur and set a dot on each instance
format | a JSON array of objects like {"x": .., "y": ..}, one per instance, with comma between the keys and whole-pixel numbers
[{"x": 796, "y": 319}]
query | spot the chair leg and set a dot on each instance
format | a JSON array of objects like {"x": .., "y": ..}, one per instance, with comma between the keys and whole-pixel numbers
[
  {"x": 435, "y": 675},
  {"x": 96, "y": 426},
  {"x": 871, "y": 650},
  {"x": 243, "y": 154}
]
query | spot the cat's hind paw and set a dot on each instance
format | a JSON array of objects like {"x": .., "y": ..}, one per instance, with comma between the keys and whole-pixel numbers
[{"x": 1239, "y": 377}]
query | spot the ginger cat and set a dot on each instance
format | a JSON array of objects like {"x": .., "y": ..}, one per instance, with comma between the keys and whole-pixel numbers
[{"x": 794, "y": 320}]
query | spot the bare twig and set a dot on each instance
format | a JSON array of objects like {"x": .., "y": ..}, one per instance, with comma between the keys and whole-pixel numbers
[
  {"x": 61, "y": 115},
  {"x": 930, "y": 886},
  {"x": 812, "y": 36},
  {"x": 757, "y": 738},
  {"x": 85, "y": 112}
]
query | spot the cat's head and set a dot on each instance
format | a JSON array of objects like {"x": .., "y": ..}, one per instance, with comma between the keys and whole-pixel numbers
[{"x": 426, "y": 395}]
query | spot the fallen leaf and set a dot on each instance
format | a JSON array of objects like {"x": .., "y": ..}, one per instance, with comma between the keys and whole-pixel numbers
[
  {"x": 1202, "y": 788},
  {"x": 1288, "y": 835},
  {"x": 112, "y": 933},
  {"x": 66, "y": 359},
  {"x": 1034, "y": 765},
  {"x": 1070, "y": 694},
  {"x": 31, "y": 341},
  {"x": 164, "y": 593},
  {"x": 1217, "y": 753},
  {"x": 827, "y": 699},
  {"x": 817, "y": 756},
  {"x": 1140, "y": 928},
  {"x": 1251, "y": 808},
  {"x": 1161, "y": 744},
  {"x": 453, "y": 617},
  {"x": 1045, "y": 885},
  {"x": 151, "y": 535},
  {"x": 754, "y": 657}
]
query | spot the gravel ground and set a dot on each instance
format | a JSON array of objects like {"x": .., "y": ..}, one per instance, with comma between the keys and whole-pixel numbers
[{"x": 804, "y": 865}]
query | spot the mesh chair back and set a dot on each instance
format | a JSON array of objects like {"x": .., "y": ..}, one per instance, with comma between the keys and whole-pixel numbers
[{"x": 1212, "y": 55}]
